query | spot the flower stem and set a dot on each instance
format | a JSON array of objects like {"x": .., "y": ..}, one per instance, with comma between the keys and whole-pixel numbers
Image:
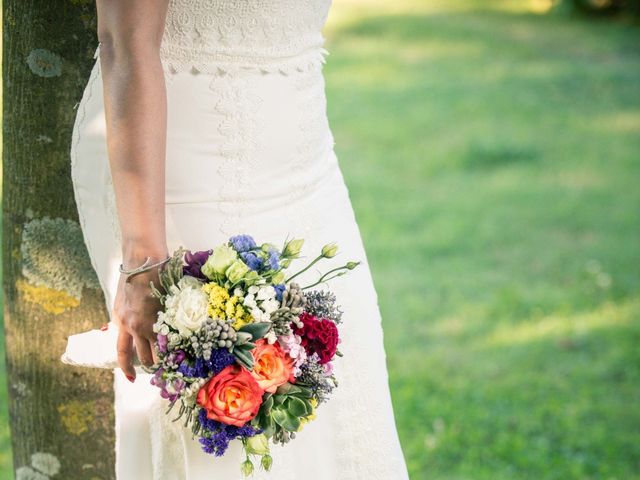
[
  {"x": 318, "y": 258},
  {"x": 321, "y": 279}
]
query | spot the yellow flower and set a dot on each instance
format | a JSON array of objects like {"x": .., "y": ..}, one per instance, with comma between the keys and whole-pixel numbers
[
  {"x": 225, "y": 306},
  {"x": 218, "y": 297}
]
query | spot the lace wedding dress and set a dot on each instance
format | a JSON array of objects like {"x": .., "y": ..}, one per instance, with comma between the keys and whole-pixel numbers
[{"x": 249, "y": 150}]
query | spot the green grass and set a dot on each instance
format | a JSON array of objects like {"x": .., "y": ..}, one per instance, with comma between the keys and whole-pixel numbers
[
  {"x": 492, "y": 158},
  {"x": 491, "y": 155}
]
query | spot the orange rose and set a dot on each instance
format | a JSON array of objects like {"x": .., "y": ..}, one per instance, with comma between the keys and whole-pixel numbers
[
  {"x": 272, "y": 365},
  {"x": 232, "y": 397}
]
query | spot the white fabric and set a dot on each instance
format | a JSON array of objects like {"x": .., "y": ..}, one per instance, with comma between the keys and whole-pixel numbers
[{"x": 249, "y": 150}]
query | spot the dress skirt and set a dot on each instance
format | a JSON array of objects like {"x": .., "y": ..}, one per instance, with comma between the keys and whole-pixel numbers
[{"x": 252, "y": 153}]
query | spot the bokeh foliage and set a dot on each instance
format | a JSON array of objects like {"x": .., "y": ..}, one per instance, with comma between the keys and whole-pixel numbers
[{"x": 491, "y": 152}]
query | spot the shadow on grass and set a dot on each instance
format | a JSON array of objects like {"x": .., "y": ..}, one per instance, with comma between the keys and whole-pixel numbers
[{"x": 518, "y": 403}]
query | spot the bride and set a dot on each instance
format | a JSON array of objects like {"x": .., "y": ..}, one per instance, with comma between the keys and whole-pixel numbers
[{"x": 204, "y": 119}]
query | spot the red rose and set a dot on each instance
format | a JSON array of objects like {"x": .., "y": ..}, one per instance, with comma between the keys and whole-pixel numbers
[
  {"x": 319, "y": 335},
  {"x": 232, "y": 396}
]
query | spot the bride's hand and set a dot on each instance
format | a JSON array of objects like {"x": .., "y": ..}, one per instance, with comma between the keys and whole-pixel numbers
[{"x": 135, "y": 311}]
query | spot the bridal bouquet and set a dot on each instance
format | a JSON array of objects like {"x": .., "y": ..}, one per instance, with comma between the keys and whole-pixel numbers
[{"x": 244, "y": 350}]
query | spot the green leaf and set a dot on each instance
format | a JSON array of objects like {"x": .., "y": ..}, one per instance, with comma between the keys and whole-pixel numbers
[
  {"x": 308, "y": 407},
  {"x": 242, "y": 338},
  {"x": 285, "y": 419},
  {"x": 245, "y": 347},
  {"x": 283, "y": 389},
  {"x": 292, "y": 423},
  {"x": 302, "y": 392},
  {"x": 296, "y": 407},
  {"x": 267, "y": 405},
  {"x": 279, "y": 415},
  {"x": 244, "y": 358},
  {"x": 257, "y": 330},
  {"x": 269, "y": 426}
]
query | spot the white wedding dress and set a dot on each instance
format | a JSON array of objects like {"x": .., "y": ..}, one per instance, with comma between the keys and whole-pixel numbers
[{"x": 249, "y": 150}]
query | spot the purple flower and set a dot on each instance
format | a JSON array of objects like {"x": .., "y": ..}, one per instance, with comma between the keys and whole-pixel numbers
[
  {"x": 162, "y": 343},
  {"x": 157, "y": 379},
  {"x": 174, "y": 358},
  {"x": 169, "y": 390},
  {"x": 220, "y": 358},
  {"x": 242, "y": 243},
  {"x": 195, "y": 260},
  {"x": 252, "y": 260},
  {"x": 220, "y": 434}
]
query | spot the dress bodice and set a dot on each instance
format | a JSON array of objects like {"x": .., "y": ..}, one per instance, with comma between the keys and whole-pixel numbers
[{"x": 272, "y": 35}]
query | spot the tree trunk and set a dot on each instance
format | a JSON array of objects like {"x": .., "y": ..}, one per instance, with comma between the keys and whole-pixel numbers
[{"x": 59, "y": 413}]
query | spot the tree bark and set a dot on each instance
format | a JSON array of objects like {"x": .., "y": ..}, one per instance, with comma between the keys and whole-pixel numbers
[{"x": 59, "y": 413}]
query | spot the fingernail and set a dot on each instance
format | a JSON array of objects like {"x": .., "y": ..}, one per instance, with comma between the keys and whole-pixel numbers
[
  {"x": 104, "y": 327},
  {"x": 131, "y": 378}
]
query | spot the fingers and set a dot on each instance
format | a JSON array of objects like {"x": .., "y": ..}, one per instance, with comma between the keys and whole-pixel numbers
[
  {"x": 143, "y": 350},
  {"x": 156, "y": 358},
  {"x": 135, "y": 311},
  {"x": 125, "y": 354}
]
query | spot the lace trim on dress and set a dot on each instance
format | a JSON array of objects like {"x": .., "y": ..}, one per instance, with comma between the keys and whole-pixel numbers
[
  {"x": 214, "y": 35},
  {"x": 239, "y": 106},
  {"x": 223, "y": 64},
  {"x": 220, "y": 63}
]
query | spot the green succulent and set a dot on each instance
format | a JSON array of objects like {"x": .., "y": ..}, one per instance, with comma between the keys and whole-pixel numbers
[{"x": 279, "y": 416}]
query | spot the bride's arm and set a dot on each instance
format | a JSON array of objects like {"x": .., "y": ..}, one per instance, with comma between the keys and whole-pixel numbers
[{"x": 130, "y": 32}]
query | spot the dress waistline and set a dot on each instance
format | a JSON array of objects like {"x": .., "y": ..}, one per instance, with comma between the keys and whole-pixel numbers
[{"x": 177, "y": 59}]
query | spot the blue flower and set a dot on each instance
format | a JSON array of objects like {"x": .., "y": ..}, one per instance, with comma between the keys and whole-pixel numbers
[
  {"x": 187, "y": 370},
  {"x": 242, "y": 243},
  {"x": 252, "y": 260},
  {"x": 221, "y": 434},
  {"x": 220, "y": 358},
  {"x": 274, "y": 259},
  {"x": 281, "y": 287}
]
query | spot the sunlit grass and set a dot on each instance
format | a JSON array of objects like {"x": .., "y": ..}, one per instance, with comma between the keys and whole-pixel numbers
[
  {"x": 567, "y": 330},
  {"x": 490, "y": 155}
]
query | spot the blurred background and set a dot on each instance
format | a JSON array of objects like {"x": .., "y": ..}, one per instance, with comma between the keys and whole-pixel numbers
[{"x": 492, "y": 151}]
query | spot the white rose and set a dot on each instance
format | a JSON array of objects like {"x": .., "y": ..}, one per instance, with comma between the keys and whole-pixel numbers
[
  {"x": 270, "y": 306},
  {"x": 259, "y": 316},
  {"x": 265, "y": 293},
  {"x": 191, "y": 310},
  {"x": 250, "y": 301}
]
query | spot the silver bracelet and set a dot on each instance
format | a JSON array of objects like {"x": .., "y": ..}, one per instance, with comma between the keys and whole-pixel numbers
[{"x": 142, "y": 268}]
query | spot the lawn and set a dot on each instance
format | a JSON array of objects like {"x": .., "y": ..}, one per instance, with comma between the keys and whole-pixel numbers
[
  {"x": 492, "y": 158},
  {"x": 491, "y": 153}
]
